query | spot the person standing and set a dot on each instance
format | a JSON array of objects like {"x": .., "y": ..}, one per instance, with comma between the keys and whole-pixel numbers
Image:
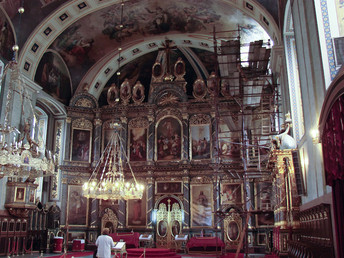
[{"x": 104, "y": 244}]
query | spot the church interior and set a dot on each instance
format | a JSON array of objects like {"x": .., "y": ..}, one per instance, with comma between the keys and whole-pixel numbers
[{"x": 187, "y": 128}]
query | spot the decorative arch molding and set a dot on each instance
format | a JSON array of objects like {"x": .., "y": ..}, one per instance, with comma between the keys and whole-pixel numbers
[
  {"x": 84, "y": 100},
  {"x": 167, "y": 93},
  {"x": 58, "y": 21},
  {"x": 158, "y": 201},
  {"x": 51, "y": 105}
]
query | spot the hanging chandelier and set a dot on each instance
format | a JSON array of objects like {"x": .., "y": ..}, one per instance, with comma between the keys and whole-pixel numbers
[
  {"x": 20, "y": 155},
  {"x": 107, "y": 180}
]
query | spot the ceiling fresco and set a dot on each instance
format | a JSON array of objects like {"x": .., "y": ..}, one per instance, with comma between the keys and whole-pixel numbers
[{"x": 93, "y": 37}]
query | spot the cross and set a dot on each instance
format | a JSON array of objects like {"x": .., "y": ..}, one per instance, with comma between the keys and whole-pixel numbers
[{"x": 167, "y": 48}]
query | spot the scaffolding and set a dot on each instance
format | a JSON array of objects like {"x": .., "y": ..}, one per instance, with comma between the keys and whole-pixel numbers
[{"x": 245, "y": 129}]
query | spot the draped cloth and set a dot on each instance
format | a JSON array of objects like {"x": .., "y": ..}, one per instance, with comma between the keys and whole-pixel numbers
[
  {"x": 333, "y": 153},
  {"x": 333, "y": 143}
]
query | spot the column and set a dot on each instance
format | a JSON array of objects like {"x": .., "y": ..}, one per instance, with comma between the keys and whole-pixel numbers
[
  {"x": 151, "y": 139},
  {"x": 150, "y": 199},
  {"x": 186, "y": 202},
  {"x": 68, "y": 138},
  {"x": 185, "y": 150}
]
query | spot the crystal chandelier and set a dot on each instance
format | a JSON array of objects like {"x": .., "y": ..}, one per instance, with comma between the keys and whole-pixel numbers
[
  {"x": 107, "y": 180},
  {"x": 19, "y": 153}
]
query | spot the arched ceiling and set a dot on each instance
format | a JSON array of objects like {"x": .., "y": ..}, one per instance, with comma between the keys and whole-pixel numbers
[{"x": 85, "y": 35}]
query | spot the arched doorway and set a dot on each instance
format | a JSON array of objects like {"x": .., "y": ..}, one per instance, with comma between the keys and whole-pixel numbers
[{"x": 169, "y": 220}]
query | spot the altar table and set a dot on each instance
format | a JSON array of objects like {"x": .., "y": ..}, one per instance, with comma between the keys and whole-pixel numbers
[
  {"x": 205, "y": 244},
  {"x": 131, "y": 239}
]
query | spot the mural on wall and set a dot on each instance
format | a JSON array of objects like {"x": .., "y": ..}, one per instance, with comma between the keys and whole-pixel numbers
[
  {"x": 52, "y": 75},
  {"x": 168, "y": 138},
  {"x": 143, "y": 19},
  {"x": 6, "y": 38}
]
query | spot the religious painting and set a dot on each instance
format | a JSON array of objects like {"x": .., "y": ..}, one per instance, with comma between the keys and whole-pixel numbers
[
  {"x": 107, "y": 134},
  {"x": 175, "y": 228},
  {"x": 200, "y": 141},
  {"x": 77, "y": 206},
  {"x": 162, "y": 228},
  {"x": 20, "y": 194},
  {"x": 199, "y": 89},
  {"x": 137, "y": 212},
  {"x": 169, "y": 187},
  {"x": 168, "y": 139},
  {"x": 81, "y": 145},
  {"x": 265, "y": 219},
  {"x": 125, "y": 91},
  {"x": 231, "y": 193},
  {"x": 233, "y": 231},
  {"x": 112, "y": 95},
  {"x": 138, "y": 93},
  {"x": 138, "y": 144},
  {"x": 229, "y": 141},
  {"x": 32, "y": 195},
  {"x": 201, "y": 205},
  {"x": 6, "y": 37},
  {"x": 52, "y": 74},
  {"x": 212, "y": 83},
  {"x": 263, "y": 195}
]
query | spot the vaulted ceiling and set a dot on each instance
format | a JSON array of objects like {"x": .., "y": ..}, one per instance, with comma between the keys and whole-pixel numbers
[{"x": 85, "y": 39}]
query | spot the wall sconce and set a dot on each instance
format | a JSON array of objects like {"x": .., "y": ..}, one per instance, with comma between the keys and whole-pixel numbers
[{"x": 315, "y": 135}]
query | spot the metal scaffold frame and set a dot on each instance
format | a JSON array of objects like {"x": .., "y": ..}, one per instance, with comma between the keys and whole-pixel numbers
[{"x": 254, "y": 114}]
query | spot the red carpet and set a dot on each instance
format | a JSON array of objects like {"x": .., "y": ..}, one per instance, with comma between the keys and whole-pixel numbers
[
  {"x": 70, "y": 255},
  {"x": 152, "y": 253}
]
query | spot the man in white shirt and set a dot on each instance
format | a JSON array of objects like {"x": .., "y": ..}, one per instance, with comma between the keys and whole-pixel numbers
[{"x": 105, "y": 244}]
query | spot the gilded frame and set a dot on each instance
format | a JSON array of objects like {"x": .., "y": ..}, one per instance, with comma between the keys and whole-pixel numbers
[
  {"x": 77, "y": 207},
  {"x": 201, "y": 196},
  {"x": 173, "y": 129},
  {"x": 20, "y": 193},
  {"x": 137, "y": 208},
  {"x": 231, "y": 193},
  {"x": 169, "y": 187}
]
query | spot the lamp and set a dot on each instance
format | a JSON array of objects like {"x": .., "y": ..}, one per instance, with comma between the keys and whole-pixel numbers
[
  {"x": 315, "y": 135},
  {"x": 107, "y": 180},
  {"x": 19, "y": 153}
]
